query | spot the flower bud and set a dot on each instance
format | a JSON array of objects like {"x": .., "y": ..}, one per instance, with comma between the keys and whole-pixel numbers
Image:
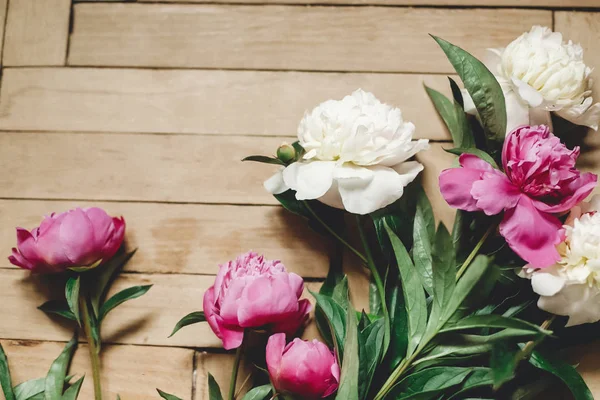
[{"x": 286, "y": 153}]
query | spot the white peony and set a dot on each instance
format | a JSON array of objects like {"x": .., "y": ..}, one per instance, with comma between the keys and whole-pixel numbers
[
  {"x": 540, "y": 73},
  {"x": 356, "y": 155},
  {"x": 572, "y": 286}
]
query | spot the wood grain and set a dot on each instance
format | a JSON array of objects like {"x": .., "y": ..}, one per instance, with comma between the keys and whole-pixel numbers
[
  {"x": 133, "y": 372},
  {"x": 220, "y": 367},
  {"x": 439, "y": 3},
  {"x": 191, "y": 101},
  {"x": 191, "y": 239},
  {"x": 37, "y": 32},
  {"x": 287, "y": 37},
  {"x": 145, "y": 321},
  {"x": 166, "y": 168}
]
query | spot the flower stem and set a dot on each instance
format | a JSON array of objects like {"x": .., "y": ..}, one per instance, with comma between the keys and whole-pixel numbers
[
  {"x": 234, "y": 373},
  {"x": 528, "y": 349},
  {"x": 374, "y": 272},
  {"x": 334, "y": 233},
  {"x": 475, "y": 251},
  {"x": 93, "y": 350}
]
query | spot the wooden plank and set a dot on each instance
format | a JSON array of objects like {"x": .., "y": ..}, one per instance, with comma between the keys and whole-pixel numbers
[
  {"x": 171, "y": 168},
  {"x": 287, "y": 37},
  {"x": 220, "y": 367},
  {"x": 584, "y": 28},
  {"x": 439, "y": 3},
  {"x": 3, "y": 10},
  {"x": 191, "y": 239},
  {"x": 133, "y": 372},
  {"x": 145, "y": 321},
  {"x": 206, "y": 102},
  {"x": 37, "y": 32}
]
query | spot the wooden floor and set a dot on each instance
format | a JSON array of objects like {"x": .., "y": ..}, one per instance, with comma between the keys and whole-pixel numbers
[{"x": 146, "y": 109}]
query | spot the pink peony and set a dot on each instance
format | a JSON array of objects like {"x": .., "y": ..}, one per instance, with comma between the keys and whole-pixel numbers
[
  {"x": 251, "y": 292},
  {"x": 307, "y": 369},
  {"x": 539, "y": 182},
  {"x": 79, "y": 238}
]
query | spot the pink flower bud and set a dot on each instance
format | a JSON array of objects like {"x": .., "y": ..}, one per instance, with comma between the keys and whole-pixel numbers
[
  {"x": 307, "y": 369},
  {"x": 79, "y": 238},
  {"x": 251, "y": 292}
]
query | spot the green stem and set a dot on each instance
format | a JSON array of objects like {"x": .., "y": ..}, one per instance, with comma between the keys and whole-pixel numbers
[
  {"x": 475, "y": 251},
  {"x": 407, "y": 363},
  {"x": 234, "y": 373},
  {"x": 334, "y": 233},
  {"x": 528, "y": 349},
  {"x": 93, "y": 350},
  {"x": 374, "y": 272}
]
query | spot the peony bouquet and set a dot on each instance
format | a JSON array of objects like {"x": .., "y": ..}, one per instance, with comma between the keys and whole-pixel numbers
[{"x": 485, "y": 309}]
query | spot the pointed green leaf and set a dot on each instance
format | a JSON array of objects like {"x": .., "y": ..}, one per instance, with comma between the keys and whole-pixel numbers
[
  {"x": 504, "y": 362},
  {"x": 288, "y": 200},
  {"x": 476, "y": 152},
  {"x": 214, "y": 391},
  {"x": 73, "y": 391},
  {"x": 28, "y": 389},
  {"x": 431, "y": 381},
  {"x": 334, "y": 276},
  {"x": 5, "y": 380},
  {"x": 509, "y": 334},
  {"x": 399, "y": 324},
  {"x": 414, "y": 296},
  {"x": 191, "y": 318},
  {"x": 493, "y": 321},
  {"x": 340, "y": 293},
  {"x": 564, "y": 372},
  {"x": 259, "y": 393},
  {"x": 55, "y": 380},
  {"x": 58, "y": 307},
  {"x": 422, "y": 250},
  {"x": 348, "y": 389},
  {"x": 374, "y": 299},
  {"x": 102, "y": 277},
  {"x": 484, "y": 90},
  {"x": 370, "y": 351},
  {"x": 121, "y": 297},
  {"x": 447, "y": 111},
  {"x": 168, "y": 396},
  {"x": 336, "y": 318},
  {"x": 444, "y": 268},
  {"x": 480, "y": 377},
  {"x": 456, "y": 93},
  {"x": 264, "y": 160},
  {"x": 72, "y": 296}
]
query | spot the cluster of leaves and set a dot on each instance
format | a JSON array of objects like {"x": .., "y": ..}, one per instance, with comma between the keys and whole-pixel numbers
[
  {"x": 55, "y": 386},
  {"x": 92, "y": 287}
]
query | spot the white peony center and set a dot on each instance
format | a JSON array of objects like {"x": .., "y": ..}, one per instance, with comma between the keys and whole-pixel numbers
[{"x": 580, "y": 262}]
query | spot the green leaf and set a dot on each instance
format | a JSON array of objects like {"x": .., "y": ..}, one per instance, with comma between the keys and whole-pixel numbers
[
  {"x": 374, "y": 299},
  {"x": 94, "y": 326},
  {"x": 422, "y": 247},
  {"x": 72, "y": 296},
  {"x": 73, "y": 391},
  {"x": 444, "y": 350},
  {"x": 5, "y": 380},
  {"x": 334, "y": 276},
  {"x": 258, "y": 393},
  {"x": 480, "y": 377},
  {"x": 370, "y": 351},
  {"x": 399, "y": 325},
  {"x": 565, "y": 373},
  {"x": 508, "y": 334},
  {"x": 214, "y": 391},
  {"x": 476, "y": 152},
  {"x": 493, "y": 321},
  {"x": 191, "y": 318},
  {"x": 58, "y": 307},
  {"x": 55, "y": 380},
  {"x": 456, "y": 93},
  {"x": 414, "y": 296},
  {"x": 121, "y": 297},
  {"x": 444, "y": 268},
  {"x": 264, "y": 160},
  {"x": 428, "y": 219},
  {"x": 289, "y": 202},
  {"x": 340, "y": 293},
  {"x": 483, "y": 88},
  {"x": 429, "y": 381},
  {"x": 28, "y": 389},
  {"x": 504, "y": 362},
  {"x": 336, "y": 319},
  {"x": 102, "y": 277},
  {"x": 168, "y": 396},
  {"x": 447, "y": 111},
  {"x": 348, "y": 389}
]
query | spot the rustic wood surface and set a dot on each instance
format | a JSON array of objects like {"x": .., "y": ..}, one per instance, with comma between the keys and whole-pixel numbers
[{"x": 146, "y": 109}]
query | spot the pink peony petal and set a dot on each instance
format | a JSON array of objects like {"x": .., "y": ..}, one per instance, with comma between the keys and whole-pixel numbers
[
  {"x": 456, "y": 185},
  {"x": 115, "y": 238},
  {"x": 532, "y": 234},
  {"x": 102, "y": 225},
  {"x": 77, "y": 238},
  {"x": 579, "y": 189},
  {"x": 495, "y": 193},
  {"x": 293, "y": 322},
  {"x": 231, "y": 336},
  {"x": 274, "y": 354}
]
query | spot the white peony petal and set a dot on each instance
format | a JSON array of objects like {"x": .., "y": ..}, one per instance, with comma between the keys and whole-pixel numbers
[
  {"x": 310, "y": 180},
  {"x": 365, "y": 190},
  {"x": 579, "y": 302},
  {"x": 469, "y": 105},
  {"x": 582, "y": 115},
  {"x": 275, "y": 184},
  {"x": 492, "y": 59},
  {"x": 517, "y": 112},
  {"x": 546, "y": 283},
  {"x": 408, "y": 171},
  {"x": 527, "y": 93}
]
